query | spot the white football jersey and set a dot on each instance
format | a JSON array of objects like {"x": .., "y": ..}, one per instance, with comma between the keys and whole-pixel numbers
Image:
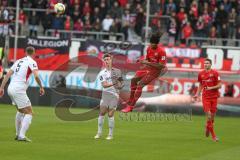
[
  {"x": 110, "y": 77},
  {"x": 22, "y": 69}
]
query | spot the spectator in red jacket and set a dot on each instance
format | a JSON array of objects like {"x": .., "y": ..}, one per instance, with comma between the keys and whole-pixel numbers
[
  {"x": 186, "y": 32},
  {"x": 22, "y": 20}
]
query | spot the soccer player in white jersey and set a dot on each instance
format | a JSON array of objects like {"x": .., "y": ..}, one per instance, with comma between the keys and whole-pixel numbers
[
  {"x": 19, "y": 73},
  {"x": 112, "y": 81}
]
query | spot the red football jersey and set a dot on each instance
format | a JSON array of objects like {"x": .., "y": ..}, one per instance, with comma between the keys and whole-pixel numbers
[
  {"x": 209, "y": 79},
  {"x": 157, "y": 55}
]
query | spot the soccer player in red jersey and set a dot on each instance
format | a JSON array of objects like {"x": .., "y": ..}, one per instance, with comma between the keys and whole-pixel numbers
[
  {"x": 154, "y": 66},
  {"x": 209, "y": 80}
]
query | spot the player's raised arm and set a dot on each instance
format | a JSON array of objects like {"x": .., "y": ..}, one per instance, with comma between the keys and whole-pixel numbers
[
  {"x": 4, "y": 82},
  {"x": 120, "y": 82}
]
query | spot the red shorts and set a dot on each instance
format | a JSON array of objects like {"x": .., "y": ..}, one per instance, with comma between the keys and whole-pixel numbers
[{"x": 209, "y": 105}]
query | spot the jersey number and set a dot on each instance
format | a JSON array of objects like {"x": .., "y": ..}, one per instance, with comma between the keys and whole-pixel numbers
[{"x": 18, "y": 66}]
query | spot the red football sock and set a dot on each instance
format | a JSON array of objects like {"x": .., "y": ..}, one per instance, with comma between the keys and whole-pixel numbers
[
  {"x": 210, "y": 128},
  {"x": 132, "y": 93},
  {"x": 137, "y": 94}
]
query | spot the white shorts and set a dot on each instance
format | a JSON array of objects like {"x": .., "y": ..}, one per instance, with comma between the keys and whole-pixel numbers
[
  {"x": 19, "y": 98},
  {"x": 109, "y": 100}
]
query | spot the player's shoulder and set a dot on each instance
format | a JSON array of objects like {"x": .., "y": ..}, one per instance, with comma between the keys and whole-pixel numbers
[
  {"x": 31, "y": 60},
  {"x": 214, "y": 72},
  {"x": 161, "y": 49},
  {"x": 201, "y": 72}
]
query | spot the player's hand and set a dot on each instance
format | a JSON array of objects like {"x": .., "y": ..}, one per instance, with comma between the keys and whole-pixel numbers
[
  {"x": 42, "y": 91},
  {"x": 208, "y": 88},
  {"x": 196, "y": 97},
  {"x": 144, "y": 62},
  {"x": 1, "y": 92}
]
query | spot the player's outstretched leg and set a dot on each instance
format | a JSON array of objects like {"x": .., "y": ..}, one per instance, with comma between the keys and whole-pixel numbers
[
  {"x": 151, "y": 76},
  {"x": 134, "y": 83}
]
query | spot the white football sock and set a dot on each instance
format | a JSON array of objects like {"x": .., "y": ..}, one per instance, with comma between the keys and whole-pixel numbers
[
  {"x": 18, "y": 122},
  {"x": 100, "y": 124},
  {"x": 111, "y": 125},
  {"x": 25, "y": 125}
]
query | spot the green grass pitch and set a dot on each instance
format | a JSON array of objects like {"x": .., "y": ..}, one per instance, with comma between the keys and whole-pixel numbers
[{"x": 54, "y": 139}]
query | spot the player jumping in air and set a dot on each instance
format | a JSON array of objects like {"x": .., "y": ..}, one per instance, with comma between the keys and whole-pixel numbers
[
  {"x": 209, "y": 84},
  {"x": 112, "y": 82},
  {"x": 19, "y": 73},
  {"x": 154, "y": 66}
]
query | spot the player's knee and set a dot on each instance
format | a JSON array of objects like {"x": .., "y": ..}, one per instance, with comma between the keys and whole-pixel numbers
[
  {"x": 102, "y": 114},
  {"x": 141, "y": 85},
  {"x": 134, "y": 80},
  {"x": 110, "y": 115}
]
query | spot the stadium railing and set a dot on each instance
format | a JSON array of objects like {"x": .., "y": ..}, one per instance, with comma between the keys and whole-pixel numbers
[{"x": 88, "y": 34}]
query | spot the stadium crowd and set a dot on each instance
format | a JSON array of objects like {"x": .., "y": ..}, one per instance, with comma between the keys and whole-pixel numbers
[{"x": 186, "y": 18}]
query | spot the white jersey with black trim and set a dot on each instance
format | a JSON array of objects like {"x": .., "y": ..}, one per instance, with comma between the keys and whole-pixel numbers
[
  {"x": 22, "y": 69},
  {"x": 110, "y": 76}
]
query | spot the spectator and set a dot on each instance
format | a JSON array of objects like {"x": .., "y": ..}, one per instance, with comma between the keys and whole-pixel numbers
[
  {"x": 170, "y": 7},
  {"x": 125, "y": 23},
  {"x": 4, "y": 19},
  {"x": 194, "y": 9},
  {"x": 96, "y": 15},
  {"x": 78, "y": 26},
  {"x": 182, "y": 4},
  {"x": 157, "y": 6},
  {"x": 103, "y": 11},
  {"x": 200, "y": 27},
  {"x": 181, "y": 15},
  {"x": 238, "y": 36},
  {"x": 47, "y": 21},
  {"x": 33, "y": 24},
  {"x": 187, "y": 32},
  {"x": 232, "y": 22},
  {"x": 227, "y": 5},
  {"x": 155, "y": 22},
  {"x": 224, "y": 34},
  {"x": 213, "y": 35},
  {"x": 57, "y": 24},
  {"x": 87, "y": 26},
  {"x": 221, "y": 18},
  {"x": 76, "y": 12},
  {"x": 106, "y": 23},
  {"x": 22, "y": 21},
  {"x": 86, "y": 8},
  {"x": 172, "y": 30},
  {"x": 97, "y": 25},
  {"x": 123, "y": 3},
  {"x": 68, "y": 25},
  {"x": 139, "y": 21},
  {"x": 115, "y": 10},
  {"x": 40, "y": 4},
  {"x": 113, "y": 30}
]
